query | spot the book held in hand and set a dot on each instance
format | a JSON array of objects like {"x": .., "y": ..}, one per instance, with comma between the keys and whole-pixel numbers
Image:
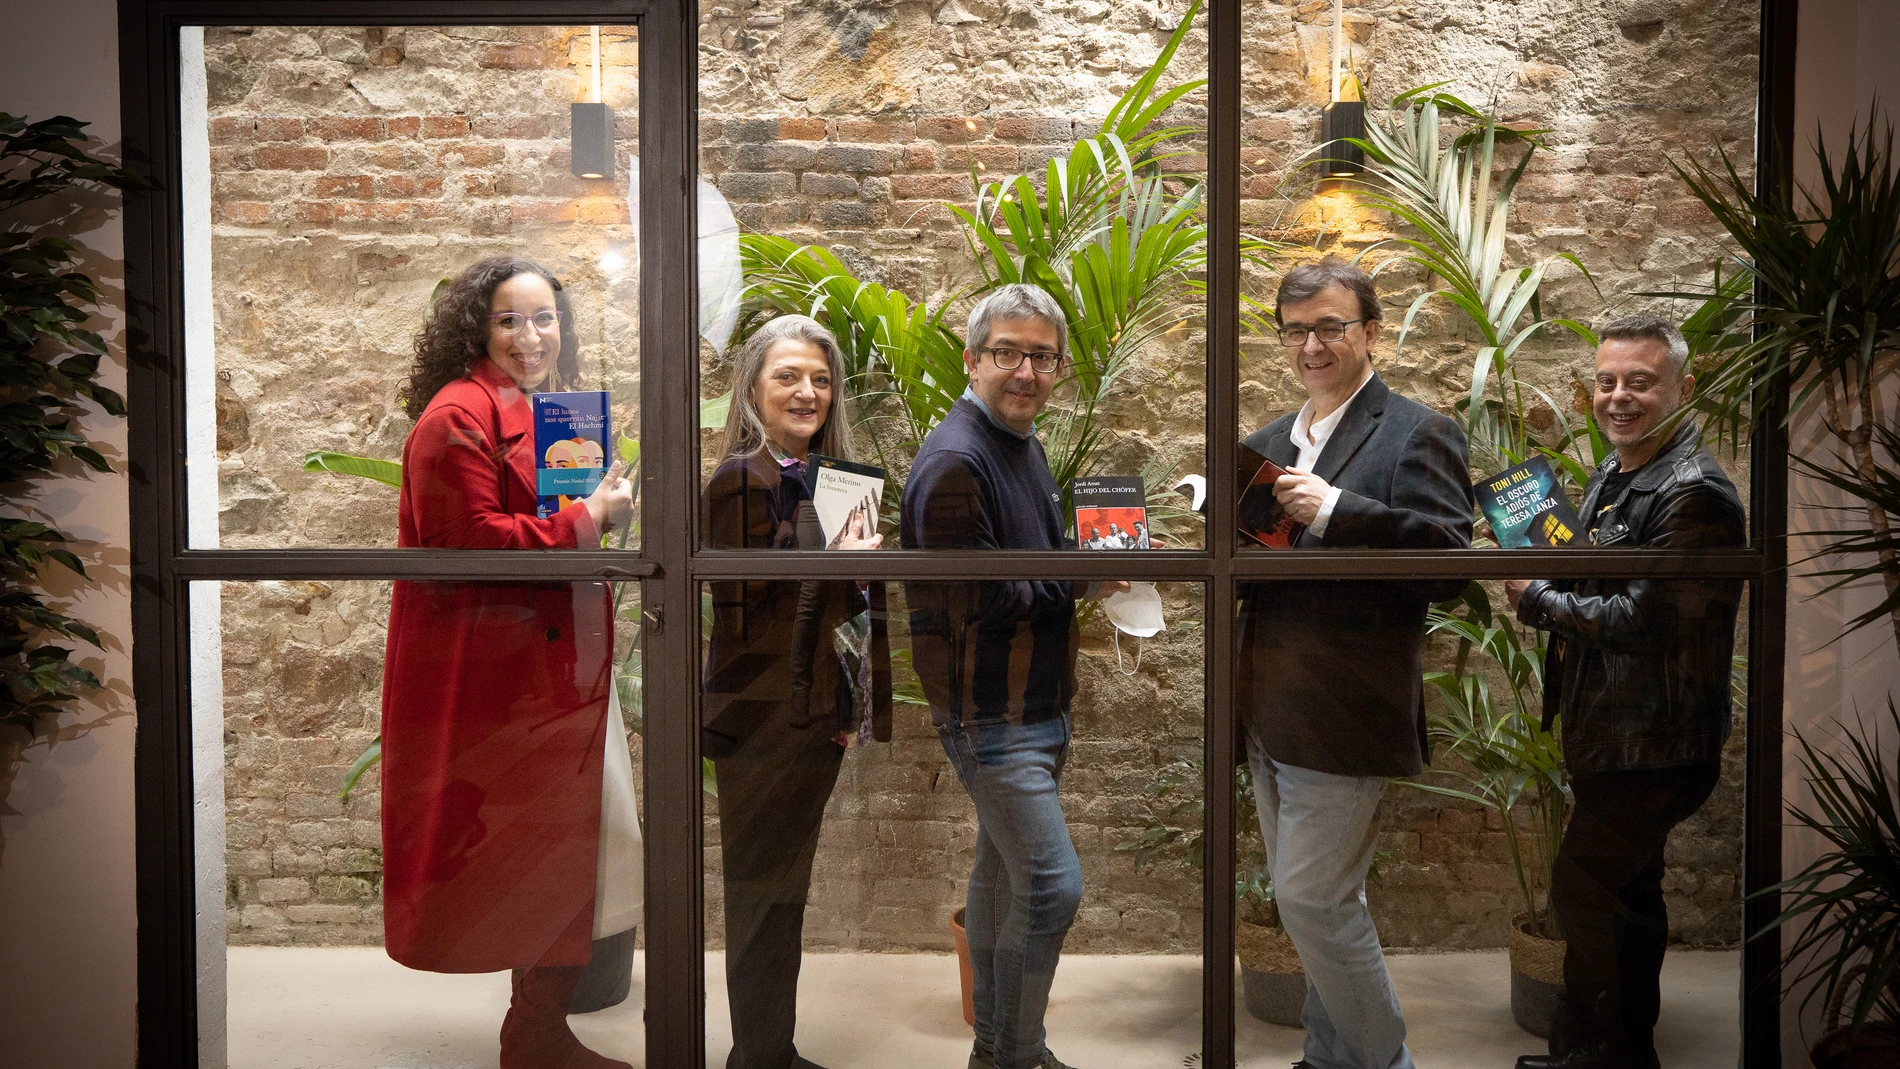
[
  {"x": 1527, "y": 507},
  {"x": 1111, "y": 512},
  {"x": 1260, "y": 516},
  {"x": 845, "y": 494},
  {"x": 570, "y": 447}
]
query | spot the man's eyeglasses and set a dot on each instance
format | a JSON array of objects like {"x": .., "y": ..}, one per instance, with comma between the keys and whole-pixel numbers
[
  {"x": 1330, "y": 331},
  {"x": 512, "y": 322},
  {"x": 1042, "y": 361}
]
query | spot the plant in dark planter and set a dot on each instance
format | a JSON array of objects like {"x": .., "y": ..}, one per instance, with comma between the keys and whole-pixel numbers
[
  {"x": 49, "y": 368},
  {"x": 1510, "y": 765},
  {"x": 1272, "y": 983},
  {"x": 1846, "y": 902}
]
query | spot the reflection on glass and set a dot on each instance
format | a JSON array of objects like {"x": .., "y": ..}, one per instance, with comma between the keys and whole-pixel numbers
[
  {"x": 796, "y": 672},
  {"x": 337, "y": 178},
  {"x": 498, "y": 830},
  {"x": 900, "y": 194},
  {"x": 883, "y": 895},
  {"x": 1581, "y": 781}
]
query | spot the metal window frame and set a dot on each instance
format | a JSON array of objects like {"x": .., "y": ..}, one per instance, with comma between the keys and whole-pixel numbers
[{"x": 670, "y": 570}]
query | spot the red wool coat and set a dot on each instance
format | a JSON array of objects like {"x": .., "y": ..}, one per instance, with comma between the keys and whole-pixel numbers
[{"x": 494, "y": 708}]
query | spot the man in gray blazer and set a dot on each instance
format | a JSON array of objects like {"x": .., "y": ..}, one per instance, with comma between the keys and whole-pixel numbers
[{"x": 1330, "y": 683}]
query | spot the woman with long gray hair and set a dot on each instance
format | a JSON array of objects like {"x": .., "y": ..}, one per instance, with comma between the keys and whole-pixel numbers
[{"x": 796, "y": 671}]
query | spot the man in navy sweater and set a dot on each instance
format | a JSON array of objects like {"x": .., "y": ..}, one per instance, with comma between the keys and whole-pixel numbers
[{"x": 997, "y": 662}]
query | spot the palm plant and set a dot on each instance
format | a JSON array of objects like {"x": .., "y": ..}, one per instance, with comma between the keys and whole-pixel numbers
[
  {"x": 1847, "y": 900},
  {"x": 1511, "y": 764},
  {"x": 1447, "y": 192},
  {"x": 1107, "y": 229},
  {"x": 1821, "y": 318}
]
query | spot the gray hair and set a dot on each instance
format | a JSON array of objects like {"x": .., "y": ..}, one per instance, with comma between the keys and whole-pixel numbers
[
  {"x": 1018, "y": 300},
  {"x": 745, "y": 429},
  {"x": 1652, "y": 328}
]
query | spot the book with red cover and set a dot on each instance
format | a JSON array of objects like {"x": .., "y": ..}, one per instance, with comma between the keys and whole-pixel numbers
[{"x": 1260, "y": 515}]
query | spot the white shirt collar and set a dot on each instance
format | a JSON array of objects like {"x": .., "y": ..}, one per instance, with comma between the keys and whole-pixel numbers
[{"x": 1307, "y": 434}]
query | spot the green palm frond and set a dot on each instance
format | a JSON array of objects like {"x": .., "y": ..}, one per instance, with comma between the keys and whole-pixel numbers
[
  {"x": 1458, "y": 207},
  {"x": 1507, "y": 762},
  {"x": 1847, "y": 900}
]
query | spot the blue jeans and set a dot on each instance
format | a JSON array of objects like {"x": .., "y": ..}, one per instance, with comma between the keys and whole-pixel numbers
[
  {"x": 1026, "y": 884},
  {"x": 1319, "y": 833}
]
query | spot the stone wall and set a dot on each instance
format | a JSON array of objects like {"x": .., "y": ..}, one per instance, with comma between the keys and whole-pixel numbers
[{"x": 848, "y": 124}]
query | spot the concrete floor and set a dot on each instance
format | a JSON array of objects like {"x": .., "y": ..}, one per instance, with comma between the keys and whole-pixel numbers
[{"x": 352, "y": 1008}]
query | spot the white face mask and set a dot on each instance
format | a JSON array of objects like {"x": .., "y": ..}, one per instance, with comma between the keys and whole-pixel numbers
[{"x": 1136, "y": 611}]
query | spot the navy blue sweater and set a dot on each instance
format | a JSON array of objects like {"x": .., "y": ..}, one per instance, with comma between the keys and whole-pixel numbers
[{"x": 996, "y": 649}]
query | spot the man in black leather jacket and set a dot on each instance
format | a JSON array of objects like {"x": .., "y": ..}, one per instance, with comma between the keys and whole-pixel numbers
[{"x": 1639, "y": 672}]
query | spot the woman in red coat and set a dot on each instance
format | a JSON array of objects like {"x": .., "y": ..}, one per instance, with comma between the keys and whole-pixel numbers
[{"x": 496, "y": 695}]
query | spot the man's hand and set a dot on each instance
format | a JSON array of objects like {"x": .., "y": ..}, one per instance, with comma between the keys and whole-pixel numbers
[
  {"x": 1301, "y": 493},
  {"x": 1514, "y": 589},
  {"x": 1108, "y": 588}
]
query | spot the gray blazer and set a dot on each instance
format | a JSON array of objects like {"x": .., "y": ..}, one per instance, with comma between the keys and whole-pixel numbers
[{"x": 1329, "y": 673}]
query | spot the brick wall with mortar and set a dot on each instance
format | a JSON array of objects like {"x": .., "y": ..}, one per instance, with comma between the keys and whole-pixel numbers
[{"x": 847, "y": 124}]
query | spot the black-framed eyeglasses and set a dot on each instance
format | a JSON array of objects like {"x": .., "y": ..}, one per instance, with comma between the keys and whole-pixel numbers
[
  {"x": 1330, "y": 331},
  {"x": 1042, "y": 362},
  {"x": 512, "y": 322}
]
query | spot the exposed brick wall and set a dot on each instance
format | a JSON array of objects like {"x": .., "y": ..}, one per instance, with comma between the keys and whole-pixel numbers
[{"x": 354, "y": 168}]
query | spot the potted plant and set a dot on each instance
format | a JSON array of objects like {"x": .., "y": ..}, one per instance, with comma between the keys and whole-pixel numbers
[
  {"x": 1509, "y": 764},
  {"x": 1272, "y": 983},
  {"x": 1847, "y": 901},
  {"x": 49, "y": 370}
]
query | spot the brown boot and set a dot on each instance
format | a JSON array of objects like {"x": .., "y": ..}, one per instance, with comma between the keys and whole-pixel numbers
[{"x": 535, "y": 1035}]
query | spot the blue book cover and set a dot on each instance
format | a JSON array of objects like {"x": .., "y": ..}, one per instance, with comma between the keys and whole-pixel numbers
[
  {"x": 1527, "y": 507},
  {"x": 570, "y": 446}
]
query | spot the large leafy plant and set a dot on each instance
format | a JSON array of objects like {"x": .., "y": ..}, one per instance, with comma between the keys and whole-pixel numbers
[
  {"x": 1449, "y": 185},
  {"x": 49, "y": 369},
  {"x": 1819, "y": 318},
  {"x": 1844, "y": 905},
  {"x": 1115, "y": 236},
  {"x": 1507, "y": 762},
  {"x": 1177, "y": 830}
]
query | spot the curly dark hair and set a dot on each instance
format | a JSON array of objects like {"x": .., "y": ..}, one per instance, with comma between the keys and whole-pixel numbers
[{"x": 456, "y": 336}]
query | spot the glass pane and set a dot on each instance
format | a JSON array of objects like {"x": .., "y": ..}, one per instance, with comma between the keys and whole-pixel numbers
[
  {"x": 1505, "y": 350},
  {"x": 406, "y": 791},
  {"x": 381, "y": 219},
  {"x": 905, "y": 183},
  {"x": 1454, "y": 857},
  {"x": 849, "y": 846}
]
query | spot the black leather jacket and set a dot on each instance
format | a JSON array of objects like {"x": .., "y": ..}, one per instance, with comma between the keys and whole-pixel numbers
[{"x": 1639, "y": 668}]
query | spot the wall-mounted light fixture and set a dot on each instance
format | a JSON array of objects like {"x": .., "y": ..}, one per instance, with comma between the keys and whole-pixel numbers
[
  {"x": 591, "y": 131},
  {"x": 1341, "y": 119}
]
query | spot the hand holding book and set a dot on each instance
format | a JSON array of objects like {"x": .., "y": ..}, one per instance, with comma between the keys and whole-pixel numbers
[{"x": 859, "y": 530}]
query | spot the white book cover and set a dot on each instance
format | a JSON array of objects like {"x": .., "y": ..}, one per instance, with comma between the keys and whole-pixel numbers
[{"x": 841, "y": 491}]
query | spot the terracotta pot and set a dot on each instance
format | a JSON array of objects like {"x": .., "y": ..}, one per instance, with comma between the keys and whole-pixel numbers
[
  {"x": 964, "y": 973},
  {"x": 1537, "y": 977},
  {"x": 1272, "y": 984}
]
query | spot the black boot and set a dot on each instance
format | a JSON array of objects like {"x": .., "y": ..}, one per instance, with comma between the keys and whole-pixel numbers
[{"x": 1591, "y": 1056}]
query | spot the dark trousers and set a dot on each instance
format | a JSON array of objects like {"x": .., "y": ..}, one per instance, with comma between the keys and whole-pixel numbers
[
  {"x": 772, "y": 794},
  {"x": 1606, "y": 888}
]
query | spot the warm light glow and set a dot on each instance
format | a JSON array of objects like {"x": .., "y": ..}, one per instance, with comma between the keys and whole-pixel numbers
[
  {"x": 590, "y": 174},
  {"x": 612, "y": 263}
]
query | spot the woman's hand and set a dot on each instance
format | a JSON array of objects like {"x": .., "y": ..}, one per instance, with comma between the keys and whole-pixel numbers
[
  {"x": 853, "y": 535},
  {"x": 611, "y": 503}
]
